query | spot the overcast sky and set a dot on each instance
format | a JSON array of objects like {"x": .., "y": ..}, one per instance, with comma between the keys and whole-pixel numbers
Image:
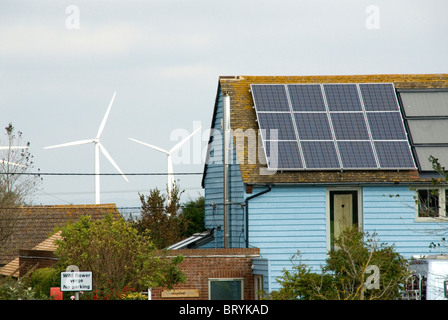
[{"x": 61, "y": 62}]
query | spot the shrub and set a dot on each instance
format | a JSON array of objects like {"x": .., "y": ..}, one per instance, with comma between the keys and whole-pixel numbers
[
  {"x": 347, "y": 274},
  {"x": 43, "y": 279}
]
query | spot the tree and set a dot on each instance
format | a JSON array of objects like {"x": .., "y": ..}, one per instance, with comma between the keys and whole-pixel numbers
[
  {"x": 347, "y": 274},
  {"x": 119, "y": 257},
  {"x": 161, "y": 217},
  {"x": 16, "y": 185},
  {"x": 193, "y": 214}
]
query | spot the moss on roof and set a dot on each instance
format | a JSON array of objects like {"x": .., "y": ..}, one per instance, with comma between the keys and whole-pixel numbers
[{"x": 243, "y": 117}]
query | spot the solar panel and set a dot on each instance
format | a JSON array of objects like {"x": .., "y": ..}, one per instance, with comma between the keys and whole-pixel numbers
[
  {"x": 270, "y": 97},
  {"x": 386, "y": 126},
  {"x": 394, "y": 154},
  {"x": 357, "y": 154},
  {"x": 379, "y": 96},
  {"x": 349, "y": 126},
  {"x": 342, "y": 97},
  {"x": 306, "y": 97},
  {"x": 276, "y": 126},
  {"x": 283, "y": 155},
  {"x": 313, "y": 126},
  {"x": 331, "y": 126},
  {"x": 320, "y": 155}
]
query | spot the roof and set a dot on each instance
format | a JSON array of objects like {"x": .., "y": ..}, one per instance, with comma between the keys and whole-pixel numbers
[
  {"x": 243, "y": 117},
  {"x": 38, "y": 223},
  {"x": 12, "y": 268},
  {"x": 193, "y": 242}
]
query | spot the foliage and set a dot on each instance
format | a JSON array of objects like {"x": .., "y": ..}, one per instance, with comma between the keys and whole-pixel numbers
[
  {"x": 118, "y": 256},
  {"x": 43, "y": 279},
  {"x": 161, "y": 217},
  {"x": 134, "y": 296},
  {"x": 16, "y": 188},
  {"x": 346, "y": 274},
  {"x": 193, "y": 216},
  {"x": 13, "y": 289}
]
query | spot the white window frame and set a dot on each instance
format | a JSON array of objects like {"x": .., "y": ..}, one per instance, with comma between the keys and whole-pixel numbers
[
  {"x": 442, "y": 215},
  {"x": 210, "y": 280}
]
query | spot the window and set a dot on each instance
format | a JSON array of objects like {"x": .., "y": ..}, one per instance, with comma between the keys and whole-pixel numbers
[
  {"x": 428, "y": 203},
  {"x": 225, "y": 289},
  {"x": 432, "y": 202}
]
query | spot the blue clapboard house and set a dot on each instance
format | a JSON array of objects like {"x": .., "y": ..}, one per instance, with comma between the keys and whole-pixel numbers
[{"x": 294, "y": 159}]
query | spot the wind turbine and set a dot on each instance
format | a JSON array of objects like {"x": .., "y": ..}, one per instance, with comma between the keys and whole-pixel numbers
[
  {"x": 98, "y": 147},
  {"x": 12, "y": 163},
  {"x": 170, "y": 176}
]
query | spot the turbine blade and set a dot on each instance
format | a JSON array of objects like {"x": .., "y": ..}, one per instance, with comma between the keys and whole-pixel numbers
[
  {"x": 150, "y": 146},
  {"x": 170, "y": 176},
  {"x": 103, "y": 123},
  {"x": 177, "y": 146},
  {"x": 14, "y": 147},
  {"x": 74, "y": 143},
  {"x": 12, "y": 163},
  {"x": 108, "y": 156}
]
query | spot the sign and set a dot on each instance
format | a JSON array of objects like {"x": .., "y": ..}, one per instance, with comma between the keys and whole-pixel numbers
[
  {"x": 76, "y": 281},
  {"x": 180, "y": 293}
]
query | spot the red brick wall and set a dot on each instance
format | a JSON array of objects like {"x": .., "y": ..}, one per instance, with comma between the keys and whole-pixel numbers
[
  {"x": 199, "y": 265},
  {"x": 29, "y": 259}
]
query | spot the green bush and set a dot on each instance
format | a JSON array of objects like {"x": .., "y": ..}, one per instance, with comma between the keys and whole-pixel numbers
[
  {"x": 13, "y": 289},
  {"x": 347, "y": 275},
  {"x": 43, "y": 279}
]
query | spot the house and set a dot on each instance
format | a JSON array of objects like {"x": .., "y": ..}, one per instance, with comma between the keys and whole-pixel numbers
[
  {"x": 32, "y": 241},
  {"x": 308, "y": 155}
]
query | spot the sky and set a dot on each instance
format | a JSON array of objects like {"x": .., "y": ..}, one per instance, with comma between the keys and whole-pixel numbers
[{"x": 62, "y": 61}]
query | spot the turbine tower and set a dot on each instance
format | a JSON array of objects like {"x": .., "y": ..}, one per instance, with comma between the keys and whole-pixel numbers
[
  {"x": 170, "y": 176},
  {"x": 9, "y": 162},
  {"x": 98, "y": 147}
]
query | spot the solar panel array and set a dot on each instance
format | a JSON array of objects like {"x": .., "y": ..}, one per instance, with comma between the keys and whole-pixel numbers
[{"x": 331, "y": 126}]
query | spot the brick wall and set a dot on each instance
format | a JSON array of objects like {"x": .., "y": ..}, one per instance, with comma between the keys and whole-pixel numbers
[
  {"x": 29, "y": 259},
  {"x": 200, "y": 265}
]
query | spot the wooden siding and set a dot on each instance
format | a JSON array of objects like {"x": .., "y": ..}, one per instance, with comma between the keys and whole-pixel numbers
[
  {"x": 291, "y": 219},
  {"x": 261, "y": 267},
  {"x": 391, "y": 213},
  {"x": 213, "y": 191},
  {"x": 287, "y": 220}
]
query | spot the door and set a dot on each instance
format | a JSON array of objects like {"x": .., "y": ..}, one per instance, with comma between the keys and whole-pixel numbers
[{"x": 343, "y": 212}]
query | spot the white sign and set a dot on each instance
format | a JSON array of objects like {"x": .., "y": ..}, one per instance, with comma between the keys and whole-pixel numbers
[{"x": 76, "y": 281}]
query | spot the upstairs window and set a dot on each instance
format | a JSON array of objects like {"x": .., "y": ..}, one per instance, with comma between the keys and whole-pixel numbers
[{"x": 432, "y": 203}]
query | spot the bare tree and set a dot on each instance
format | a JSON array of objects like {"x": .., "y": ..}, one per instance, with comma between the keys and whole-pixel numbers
[{"x": 16, "y": 183}]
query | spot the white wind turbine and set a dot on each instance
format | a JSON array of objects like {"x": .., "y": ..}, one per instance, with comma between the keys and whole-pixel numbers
[
  {"x": 170, "y": 175},
  {"x": 98, "y": 147},
  {"x": 9, "y": 162}
]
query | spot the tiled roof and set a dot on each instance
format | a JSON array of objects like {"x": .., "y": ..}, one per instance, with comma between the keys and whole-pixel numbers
[
  {"x": 12, "y": 268},
  {"x": 243, "y": 117},
  {"x": 38, "y": 223}
]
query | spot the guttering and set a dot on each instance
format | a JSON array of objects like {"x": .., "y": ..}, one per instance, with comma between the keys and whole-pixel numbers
[
  {"x": 247, "y": 211},
  {"x": 344, "y": 184}
]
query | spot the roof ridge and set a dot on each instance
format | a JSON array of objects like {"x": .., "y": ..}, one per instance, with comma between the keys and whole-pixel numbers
[{"x": 62, "y": 206}]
